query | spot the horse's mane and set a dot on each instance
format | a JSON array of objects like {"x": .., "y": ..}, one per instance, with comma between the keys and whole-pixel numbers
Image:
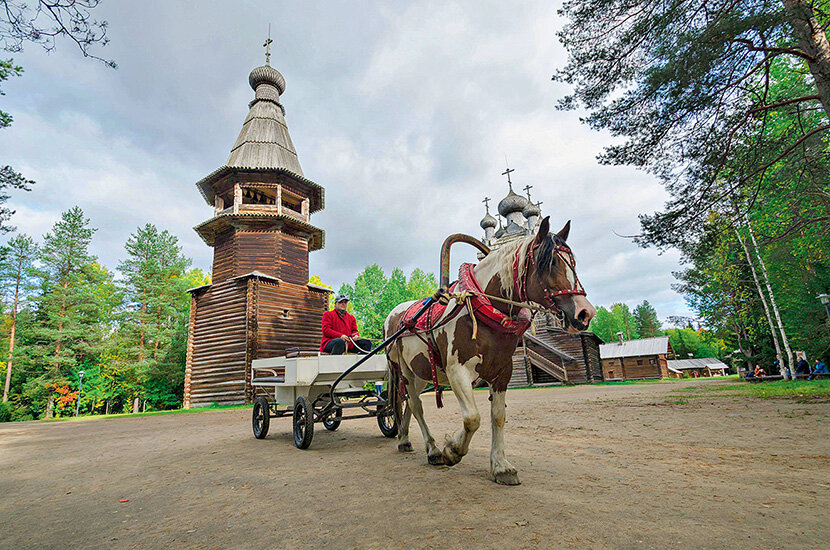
[{"x": 506, "y": 256}]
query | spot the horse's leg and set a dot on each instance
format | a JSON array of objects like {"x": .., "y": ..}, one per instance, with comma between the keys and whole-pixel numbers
[
  {"x": 503, "y": 472},
  {"x": 414, "y": 389},
  {"x": 404, "y": 444},
  {"x": 456, "y": 446}
]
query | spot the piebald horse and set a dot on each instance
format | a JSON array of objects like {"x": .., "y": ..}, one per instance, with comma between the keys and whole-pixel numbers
[{"x": 539, "y": 268}]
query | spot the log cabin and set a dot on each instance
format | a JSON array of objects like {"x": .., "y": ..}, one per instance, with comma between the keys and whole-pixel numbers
[{"x": 636, "y": 359}]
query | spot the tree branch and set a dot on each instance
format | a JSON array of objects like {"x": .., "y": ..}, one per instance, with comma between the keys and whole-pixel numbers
[
  {"x": 790, "y": 51},
  {"x": 782, "y": 103}
]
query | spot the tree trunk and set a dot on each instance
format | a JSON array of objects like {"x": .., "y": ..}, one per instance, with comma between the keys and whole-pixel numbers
[
  {"x": 49, "y": 406},
  {"x": 774, "y": 304},
  {"x": 813, "y": 41},
  {"x": 7, "y": 385},
  {"x": 136, "y": 405},
  {"x": 764, "y": 302}
]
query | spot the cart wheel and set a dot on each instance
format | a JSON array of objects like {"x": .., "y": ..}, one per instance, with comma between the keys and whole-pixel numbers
[
  {"x": 332, "y": 421},
  {"x": 303, "y": 423},
  {"x": 261, "y": 417},
  {"x": 386, "y": 420}
]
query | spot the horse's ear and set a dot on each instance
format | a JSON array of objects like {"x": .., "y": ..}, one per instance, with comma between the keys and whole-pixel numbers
[
  {"x": 563, "y": 233},
  {"x": 544, "y": 229}
]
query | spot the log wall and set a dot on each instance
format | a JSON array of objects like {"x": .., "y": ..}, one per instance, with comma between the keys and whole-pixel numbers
[
  {"x": 634, "y": 368},
  {"x": 276, "y": 254},
  {"x": 218, "y": 343},
  {"x": 223, "y": 256},
  {"x": 289, "y": 316}
]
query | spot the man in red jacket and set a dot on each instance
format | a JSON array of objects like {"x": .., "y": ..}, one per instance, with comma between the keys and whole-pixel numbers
[{"x": 340, "y": 330}]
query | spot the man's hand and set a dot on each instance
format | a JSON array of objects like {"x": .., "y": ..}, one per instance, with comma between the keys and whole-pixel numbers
[{"x": 344, "y": 337}]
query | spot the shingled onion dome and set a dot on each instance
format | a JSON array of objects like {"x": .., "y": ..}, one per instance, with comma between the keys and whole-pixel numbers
[
  {"x": 488, "y": 224},
  {"x": 512, "y": 204},
  {"x": 531, "y": 210},
  {"x": 268, "y": 84},
  {"x": 488, "y": 221}
]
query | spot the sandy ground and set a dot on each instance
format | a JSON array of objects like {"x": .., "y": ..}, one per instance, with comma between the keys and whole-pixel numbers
[{"x": 633, "y": 466}]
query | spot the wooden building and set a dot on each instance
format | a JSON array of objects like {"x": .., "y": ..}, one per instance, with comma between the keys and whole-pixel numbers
[
  {"x": 697, "y": 367},
  {"x": 636, "y": 359},
  {"x": 259, "y": 301},
  {"x": 553, "y": 355}
]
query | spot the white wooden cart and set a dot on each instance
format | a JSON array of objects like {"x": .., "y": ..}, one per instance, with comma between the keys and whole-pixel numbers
[{"x": 317, "y": 387}]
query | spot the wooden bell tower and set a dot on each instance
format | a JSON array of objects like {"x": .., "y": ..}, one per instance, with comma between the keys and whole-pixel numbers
[{"x": 259, "y": 302}]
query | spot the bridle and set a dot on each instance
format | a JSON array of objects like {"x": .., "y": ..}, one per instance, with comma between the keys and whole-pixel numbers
[{"x": 520, "y": 280}]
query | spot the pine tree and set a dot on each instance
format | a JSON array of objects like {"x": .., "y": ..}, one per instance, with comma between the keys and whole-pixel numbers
[
  {"x": 16, "y": 277},
  {"x": 75, "y": 305},
  {"x": 645, "y": 317},
  {"x": 154, "y": 286}
]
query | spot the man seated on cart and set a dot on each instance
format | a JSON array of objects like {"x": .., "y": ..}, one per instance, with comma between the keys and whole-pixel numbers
[{"x": 340, "y": 330}]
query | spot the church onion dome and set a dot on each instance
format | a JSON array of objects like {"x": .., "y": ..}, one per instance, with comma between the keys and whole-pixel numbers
[
  {"x": 531, "y": 210},
  {"x": 512, "y": 203},
  {"x": 488, "y": 221},
  {"x": 266, "y": 74},
  {"x": 499, "y": 233}
]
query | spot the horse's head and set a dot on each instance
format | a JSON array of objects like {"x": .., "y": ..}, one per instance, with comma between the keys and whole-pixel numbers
[{"x": 553, "y": 281}]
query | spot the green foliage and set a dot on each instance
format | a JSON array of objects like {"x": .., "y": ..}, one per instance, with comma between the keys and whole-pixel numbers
[
  {"x": 9, "y": 178},
  {"x": 153, "y": 324},
  {"x": 646, "y": 321},
  {"x": 606, "y": 324},
  {"x": 373, "y": 295},
  {"x": 687, "y": 342},
  {"x": 5, "y": 412}
]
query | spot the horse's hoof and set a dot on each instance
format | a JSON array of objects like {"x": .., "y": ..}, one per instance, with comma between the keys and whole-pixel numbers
[
  {"x": 436, "y": 460},
  {"x": 451, "y": 458},
  {"x": 507, "y": 477},
  {"x": 405, "y": 447}
]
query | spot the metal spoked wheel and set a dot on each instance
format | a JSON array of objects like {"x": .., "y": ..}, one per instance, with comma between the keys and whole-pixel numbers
[
  {"x": 303, "y": 423},
  {"x": 332, "y": 421},
  {"x": 386, "y": 419},
  {"x": 261, "y": 418}
]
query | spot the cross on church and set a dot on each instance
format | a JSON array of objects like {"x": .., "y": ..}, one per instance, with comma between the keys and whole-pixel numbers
[
  {"x": 507, "y": 173},
  {"x": 267, "y": 47},
  {"x": 527, "y": 190},
  {"x": 486, "y": 202}
]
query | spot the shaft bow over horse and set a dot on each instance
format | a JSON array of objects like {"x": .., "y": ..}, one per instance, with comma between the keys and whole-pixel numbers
[{"x": 475, "y": 336}]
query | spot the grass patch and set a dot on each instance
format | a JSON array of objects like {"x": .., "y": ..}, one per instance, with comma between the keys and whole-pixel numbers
[
  {"x": 148, "y": 413},
  {"x": 799, "y": 389},
  {"x": 802, "y": 390}
]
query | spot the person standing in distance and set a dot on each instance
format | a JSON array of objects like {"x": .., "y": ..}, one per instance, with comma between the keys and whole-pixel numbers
[{"x": 340, "y": 330}]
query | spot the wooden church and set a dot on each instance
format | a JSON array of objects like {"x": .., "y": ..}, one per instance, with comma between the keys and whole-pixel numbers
[{"x": 259, "y": 302}]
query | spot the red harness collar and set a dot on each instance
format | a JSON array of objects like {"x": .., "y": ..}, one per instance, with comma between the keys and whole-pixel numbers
[{"x": 484, "y": 309}]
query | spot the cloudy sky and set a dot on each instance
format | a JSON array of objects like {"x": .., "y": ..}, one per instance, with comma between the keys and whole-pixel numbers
[{"x": 403, "y": 111}]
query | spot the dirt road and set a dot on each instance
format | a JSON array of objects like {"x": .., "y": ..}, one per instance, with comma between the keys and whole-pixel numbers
[{"x": 634, "y": 466}]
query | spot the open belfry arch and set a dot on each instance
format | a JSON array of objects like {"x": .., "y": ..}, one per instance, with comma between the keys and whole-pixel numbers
[{"x": 259, "y": 302}]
